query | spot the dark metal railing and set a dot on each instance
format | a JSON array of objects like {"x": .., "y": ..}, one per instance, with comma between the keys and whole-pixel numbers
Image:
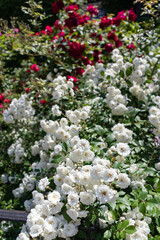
[{"x": 13, "y": 215}]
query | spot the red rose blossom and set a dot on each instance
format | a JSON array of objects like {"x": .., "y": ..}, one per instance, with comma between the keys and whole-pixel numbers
[
  {"x": 118, "y": 43},
  {"x": 86, "y": 61},
  {"x": 43, "y": 32},
  {"x": 43, "y": 101},
  {"x": 119, "y": 18},
  {"x": 108, "y": 47},
  {"x": 131, "y": 15},
  {"x": 7, "y": 100},
  {"x": 73, "y": 20},
  {"x": 96, "y": 56},
  {"x": 131, "y": 46},
  {"x": 79, "y": 71},
  {"x": 58, "y": 5},
  {"x": 74, "y": 79},
  {"x": 2, "y": 97},
  {"x": 112, "y": 36},
  {"x": 84, "y": 19},
  {"x": 92, "y": 10},
  {"x": 34, "y": 67},
  {"x": 72, "y": 8},
  {"x": 48, "y": 29},
  {"x": 105, "y": 22},
  {"x": 27, "y": 90},
  {"x": 58, "y": 25},
  {"x": 76, "y": 50}
]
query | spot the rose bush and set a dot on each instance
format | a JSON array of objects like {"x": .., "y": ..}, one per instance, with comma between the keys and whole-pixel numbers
[{"x": 80, "y": 121}]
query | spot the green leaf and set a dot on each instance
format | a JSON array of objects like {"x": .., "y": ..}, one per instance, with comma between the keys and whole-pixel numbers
[
  {"x": 64, "y": 147},
  {"x": 121, "y": 74},
  {"x": 142, "y": 208},
  {"x": 129, "y": 71},
  {"x": 130, "y": 229},
  {"x": 123, "y": 225},
  {"x": 56, "y": 159},
  {"x": 143, "y": 195},
  {"x": 158, "y": 186},
  {"x": 102, "y": 73},
  {"x": 158, "y": 229},
  {"x": 100, "y": 131},
  {"x": 110, "y": 138},
  {"x": 157, "y": 237},
  {"x": 107, "y": 234},
  {"x": 93, "y": 219},
  {"x": 65, "y": 215},
  {"x": 114, "y": 214}
]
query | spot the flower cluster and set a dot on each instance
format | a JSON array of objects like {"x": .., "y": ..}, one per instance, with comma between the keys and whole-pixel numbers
[
  {"x": 80, "y": 149},
  {"x": 62, "y": 87},
  {"x": 122, "y": 134},
  {"x": 16, "y": 152},
  {"x": 18, "y": 110},
  {"x": 116, "y": 101}
]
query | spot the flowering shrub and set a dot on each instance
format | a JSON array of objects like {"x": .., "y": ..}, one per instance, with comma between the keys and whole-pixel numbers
[{"x": 80, "y": 128}]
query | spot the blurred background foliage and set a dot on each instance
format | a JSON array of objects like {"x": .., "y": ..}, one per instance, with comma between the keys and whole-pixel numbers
[{"x": 12, "y": 8}]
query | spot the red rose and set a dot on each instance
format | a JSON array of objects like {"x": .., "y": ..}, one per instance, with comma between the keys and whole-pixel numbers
[
  {"x": 79, "y": 71},
  {"x": 43, "y": 32},
  {"x": 92, "y": 10},
  {"x": 118, "y": 43},
  {"x": 1, "y": 106},
  {"x": 100, "y": 37},
  {"x": 96, "y": 55},
  {"x": 105, "y": 22},
  {"x": 108, "y": 47},
  {"x": 112, "y": 36},
  {"x": 118, "y": 19},
  {"x": 7, "y": 101},
  {"x": 48, "y": 29},
  {"x": 86, "y": 61},
  {"x": 34, "y": 67},
  {"x": 2, "y": 97},
  {"x": 58, "y": 25},
  {"x": 61, "y": 35},
  {"x": 84, "y": 19},
  {"x": 74, "y": 79},
  {"x": 43, "y": 102},
  {"x": 72, "y": 8},
  {"x": 76, "y": 50},
  {"x": 73, "y": 20},
  {"x": 131, "y": 46},
  {"x": 57, "y": 6},
  {"x": 27, "y": 90},
  {"x": 131, "y": 15}
]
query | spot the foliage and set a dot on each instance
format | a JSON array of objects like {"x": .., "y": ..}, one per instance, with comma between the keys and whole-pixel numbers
[{"x": 80, "y": 126}]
